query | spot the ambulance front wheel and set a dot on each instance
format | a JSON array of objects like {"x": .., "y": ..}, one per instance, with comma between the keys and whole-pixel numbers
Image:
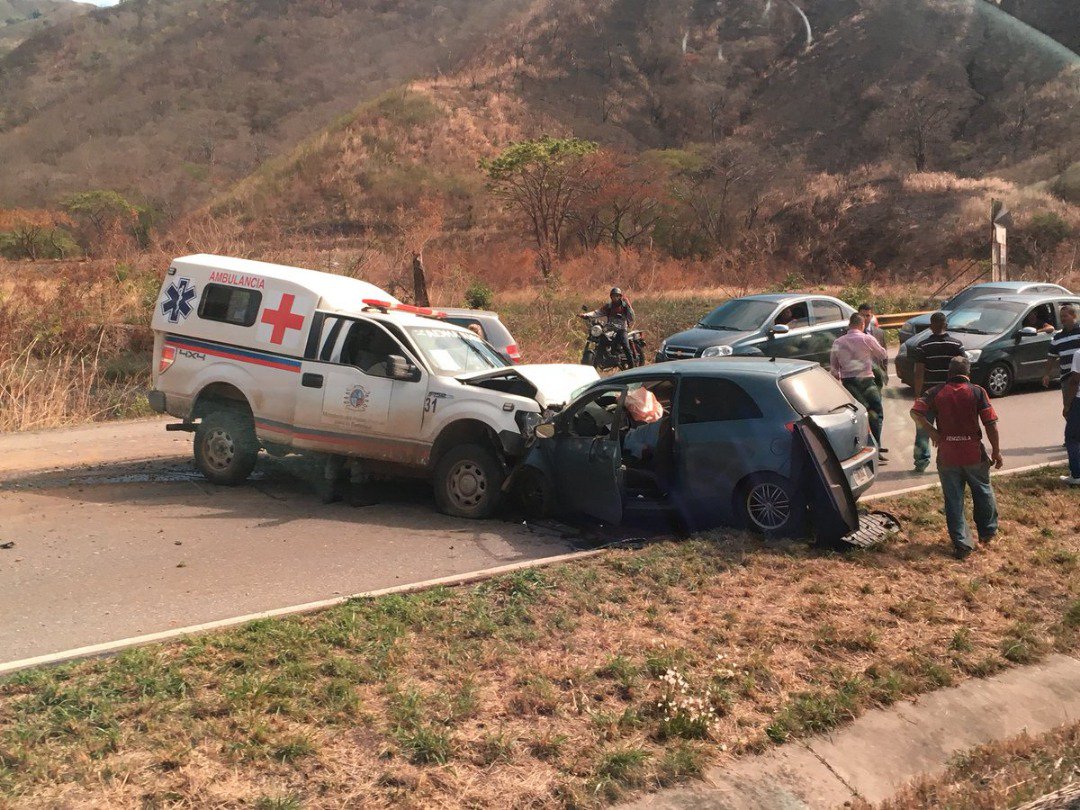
[
  {"x": 468, "y": 482},
  {"x": 226, "y": 447}
]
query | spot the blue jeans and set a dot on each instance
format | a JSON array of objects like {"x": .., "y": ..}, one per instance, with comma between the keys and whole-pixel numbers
[
  {"x": 1072, "y": 437},
  {"x": 953, "y": 481},
  {"x": 922, "y": 447}
]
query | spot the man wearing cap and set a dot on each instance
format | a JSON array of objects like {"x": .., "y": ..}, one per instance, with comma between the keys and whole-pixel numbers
[
  {"x": 617, "y": 307},
  {"x": 852, "y": 362},
  {"x": 931, "y": 358},
  {"x": 957, "y": 407}
]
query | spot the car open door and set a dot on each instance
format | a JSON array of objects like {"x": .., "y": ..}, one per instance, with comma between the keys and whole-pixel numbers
[{"x": 588, "y": 455}]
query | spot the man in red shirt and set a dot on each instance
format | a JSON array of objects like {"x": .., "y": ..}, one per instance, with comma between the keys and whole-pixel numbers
[{"x": 957, "y": 407}]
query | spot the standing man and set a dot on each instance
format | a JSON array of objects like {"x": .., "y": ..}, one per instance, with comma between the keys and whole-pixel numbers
[
  {"x": 931, "y": 358},
  {"x": 872, "y": 328},
  {"x": 958, "y": 406},
  {"x": 852, "y": 362},
  {"x": 1063, "y": 346},
  {"x": 1072, "y": 421}
]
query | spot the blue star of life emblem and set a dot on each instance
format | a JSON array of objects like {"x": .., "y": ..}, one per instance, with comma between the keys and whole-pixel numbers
[{"x": 177, "y": 301}]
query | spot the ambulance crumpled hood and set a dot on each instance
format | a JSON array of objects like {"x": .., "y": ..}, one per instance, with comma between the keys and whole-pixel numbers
[{"x": 555, "y": 383}]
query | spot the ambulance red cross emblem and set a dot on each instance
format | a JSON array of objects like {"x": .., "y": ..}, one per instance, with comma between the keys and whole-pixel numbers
[{"x": 283, "y": 318}]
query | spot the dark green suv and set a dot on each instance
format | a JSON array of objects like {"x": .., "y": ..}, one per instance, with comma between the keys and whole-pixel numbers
[{"x": 1004, "y": 336}]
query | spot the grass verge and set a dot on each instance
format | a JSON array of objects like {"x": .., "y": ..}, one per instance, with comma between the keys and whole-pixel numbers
[
  {"x": 1004, "y": 774},
  {"x": 573, "y": 685}
]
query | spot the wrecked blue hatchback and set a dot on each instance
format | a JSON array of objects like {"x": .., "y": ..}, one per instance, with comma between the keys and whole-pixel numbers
[{"x": 718, "y": 445}]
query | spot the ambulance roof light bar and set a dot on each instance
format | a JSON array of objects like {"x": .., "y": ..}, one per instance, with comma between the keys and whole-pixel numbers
[{"x": 387, "y": 306}]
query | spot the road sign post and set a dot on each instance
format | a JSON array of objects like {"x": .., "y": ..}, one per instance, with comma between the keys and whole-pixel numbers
[{"x": 1000, "y": 220}]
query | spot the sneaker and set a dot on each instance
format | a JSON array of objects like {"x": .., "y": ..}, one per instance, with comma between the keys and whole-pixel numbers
[
  {"x": 962, "y": 552},
  {"x": 1068, "y": 479},
  {"x": 883, "y": 450},
  {"x": 921, "y": 468}
]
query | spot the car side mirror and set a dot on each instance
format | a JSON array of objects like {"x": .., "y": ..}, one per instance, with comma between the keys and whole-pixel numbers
[
  {"x": 779, "y": 329},
  {"x": 1027, "y": 331},
  {"x": 402, "y": 369},
  {"x": 545, "y": 430}
]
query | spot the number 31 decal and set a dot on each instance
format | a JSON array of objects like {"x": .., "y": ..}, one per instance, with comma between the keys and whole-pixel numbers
[{"x": 431, "y": 404}]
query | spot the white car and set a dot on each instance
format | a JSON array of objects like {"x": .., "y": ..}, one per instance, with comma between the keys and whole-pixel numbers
[{"x": 253, "y": 355}]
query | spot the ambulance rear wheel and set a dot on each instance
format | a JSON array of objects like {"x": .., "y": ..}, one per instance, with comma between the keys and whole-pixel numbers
[
  {"x": 468, "y": 482},
  {"x": 226, "y": 447}
]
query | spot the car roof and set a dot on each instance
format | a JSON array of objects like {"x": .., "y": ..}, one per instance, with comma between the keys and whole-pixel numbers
[
  {"x": 1015, "y": 285},
  {"x": 1030, "y": 298},
  {"x": 457, "y": 312},
  {"x": 711, "y": 366},
  {"x": 410, "y": 319},
  {"x": 782, "y": 298}
]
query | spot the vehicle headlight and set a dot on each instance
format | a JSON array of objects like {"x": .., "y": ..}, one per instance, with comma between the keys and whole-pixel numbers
[
  {"x": 973, "y": 355},
  {"x": 718, "y": 351},
  {"x": 596, "y": 330}
]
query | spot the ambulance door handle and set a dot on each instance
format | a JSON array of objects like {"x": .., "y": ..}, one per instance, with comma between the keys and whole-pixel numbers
[{"x": 311, "y": 380}]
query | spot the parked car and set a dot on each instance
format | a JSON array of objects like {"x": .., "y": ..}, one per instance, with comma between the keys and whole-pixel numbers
[
  {"x": 252, "y": 355},
  {"x": 1002, "y": 350},
  {"x": 919, "y": 323},
  {"x": 778, "y": 325},
  {"x": 721, "y": 453},
  {"x": 495, "y": 331}
]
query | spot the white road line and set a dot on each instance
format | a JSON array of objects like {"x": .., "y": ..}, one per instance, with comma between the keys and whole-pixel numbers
[
  {"x": 309, "y": 607},
  {"x": 937, "y": 484}
]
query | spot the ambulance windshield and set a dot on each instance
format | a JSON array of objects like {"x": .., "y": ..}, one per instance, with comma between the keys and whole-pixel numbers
[{"x": 450, "y": 351}]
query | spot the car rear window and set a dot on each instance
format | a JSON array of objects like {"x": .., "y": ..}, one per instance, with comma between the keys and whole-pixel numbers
[
  {"x": 814, "y": 392},
  {"x": 704, "y": 399}
]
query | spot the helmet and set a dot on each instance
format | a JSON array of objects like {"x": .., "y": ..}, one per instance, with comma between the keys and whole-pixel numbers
[{"x": 615, "y": 291}]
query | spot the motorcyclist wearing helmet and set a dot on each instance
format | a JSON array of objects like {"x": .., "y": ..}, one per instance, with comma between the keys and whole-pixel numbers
[{"x": 618, "y": 307}]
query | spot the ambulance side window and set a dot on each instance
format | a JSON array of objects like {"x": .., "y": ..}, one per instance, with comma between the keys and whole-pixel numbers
[
  {"x": 361, "y": 344},
  {"x": 232, "y": 305}
]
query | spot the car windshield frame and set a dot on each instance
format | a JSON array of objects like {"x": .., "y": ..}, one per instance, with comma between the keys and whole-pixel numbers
[
  {"x": 970, "y": 294},
  {"x": 960, "y": 320},
  {"x": 732, "y": 316},
  {"x": 438, "y": 344},
  {"x": 803, "y": 400}
]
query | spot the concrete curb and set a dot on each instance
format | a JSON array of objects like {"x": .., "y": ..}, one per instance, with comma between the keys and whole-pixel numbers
[
  {"x": 877, "y": 496},
  {"x": 884, "y": 749},
  {"x": 108, "y": 647}
]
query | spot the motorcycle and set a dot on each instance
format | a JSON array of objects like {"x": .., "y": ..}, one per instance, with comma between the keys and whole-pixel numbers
[{"x": 604, "y": 348}]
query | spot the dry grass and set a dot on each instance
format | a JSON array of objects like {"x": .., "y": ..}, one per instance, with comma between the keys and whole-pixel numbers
[
  {"x": 1002, "y": 774},
  {"x": 561, "y": 687}
]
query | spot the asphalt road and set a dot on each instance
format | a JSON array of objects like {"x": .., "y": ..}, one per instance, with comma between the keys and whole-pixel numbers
[{"x": 116, "y": 536}]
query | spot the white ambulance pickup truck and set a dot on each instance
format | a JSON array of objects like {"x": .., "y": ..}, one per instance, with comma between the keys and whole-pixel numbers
[{"x": 254, "y": 355}]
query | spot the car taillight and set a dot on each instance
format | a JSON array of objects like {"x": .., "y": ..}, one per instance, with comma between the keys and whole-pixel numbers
[
  {"x": 168, "y": 355},
  {"x": 513, "y": 353}
]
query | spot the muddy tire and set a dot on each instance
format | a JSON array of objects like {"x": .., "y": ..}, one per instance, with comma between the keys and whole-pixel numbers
[
  {"x": 468, "y": 482},
  {"x": 769, "y": 504},
  {"x": 226, "y": 447}
]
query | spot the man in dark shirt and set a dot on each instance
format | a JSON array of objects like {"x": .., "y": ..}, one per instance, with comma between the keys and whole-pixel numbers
[
  {"x": 958, "y": 407},
  {"x": 618, "y": 308},
  {"x": 931, "y": 358},
  {"x": 1063, "y": 345}
]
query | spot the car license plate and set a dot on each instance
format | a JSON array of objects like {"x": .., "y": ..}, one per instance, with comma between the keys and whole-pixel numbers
[{"x": 862, "y": 475}]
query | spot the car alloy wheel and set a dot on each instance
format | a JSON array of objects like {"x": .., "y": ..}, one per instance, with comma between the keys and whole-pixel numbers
[
  {"x": 999, "y": 380},
  {"x": 768, "y": 506}
]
